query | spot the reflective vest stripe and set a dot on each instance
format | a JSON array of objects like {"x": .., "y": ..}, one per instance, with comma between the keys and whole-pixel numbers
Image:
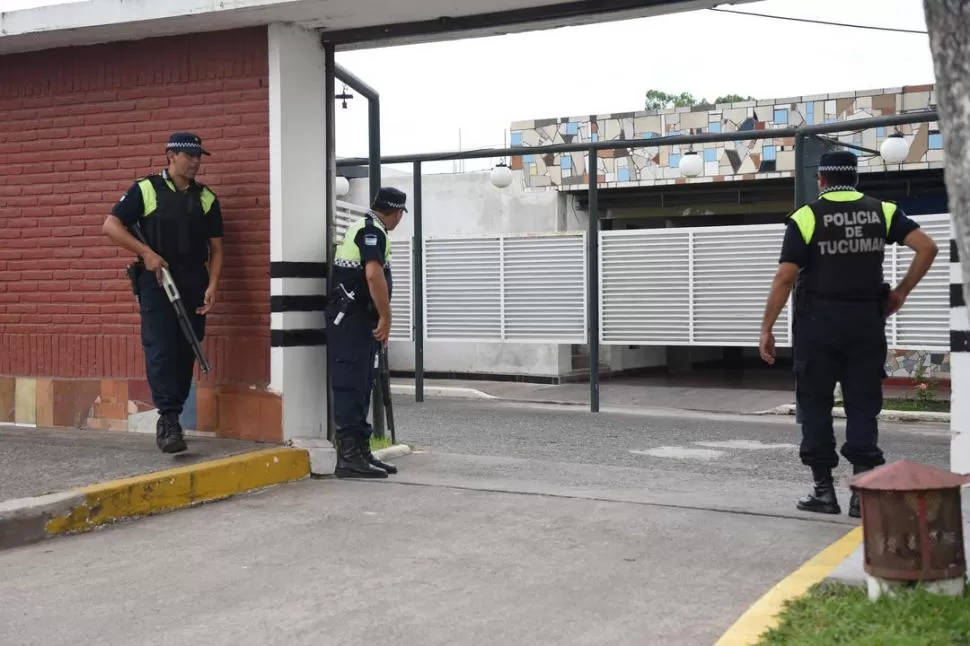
[
  {"x": 888, "y": 210},
  {"x": 148, "y": 196},
  {"x": 347, "y": 253},
  {"x": 805, "y": 219}
]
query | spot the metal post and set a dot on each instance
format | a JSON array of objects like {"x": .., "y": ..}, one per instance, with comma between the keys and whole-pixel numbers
[
  {"x": 374, "y": 184},
  {"x": 331, "y": 200},
  {"x": 593, "y": 284},
  {"x": 374, "y": 143},
  {"x": 417, "y": 271},
  {"x": 808, "y": 150}
]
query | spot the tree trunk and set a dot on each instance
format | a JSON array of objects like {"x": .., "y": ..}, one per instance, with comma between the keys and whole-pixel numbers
[{"x": 948, "y": 23}]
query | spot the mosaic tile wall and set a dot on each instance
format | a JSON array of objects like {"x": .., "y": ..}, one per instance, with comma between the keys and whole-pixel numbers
[
  {"x": 738, "y": 160},
  {"x": 125, "y": 405},
  {"x": 904, "y": 363}
]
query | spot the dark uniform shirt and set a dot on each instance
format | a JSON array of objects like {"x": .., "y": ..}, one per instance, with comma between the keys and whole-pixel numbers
[{"x": 842, "y": 240}]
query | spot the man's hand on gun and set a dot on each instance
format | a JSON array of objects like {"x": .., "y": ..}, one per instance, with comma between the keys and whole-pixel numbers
[{"x": 154, "y": 263}]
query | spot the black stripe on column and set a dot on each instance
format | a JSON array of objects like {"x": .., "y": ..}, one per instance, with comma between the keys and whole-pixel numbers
[
  {"x": 297, "y": 338},
  {"x": 297, "y": 303},
  {"x": 285, "y": 269},
  {"x": 956, "y": 295},
  {"x": 959, "y": 341},
  {"x": 954, "y": 254}
]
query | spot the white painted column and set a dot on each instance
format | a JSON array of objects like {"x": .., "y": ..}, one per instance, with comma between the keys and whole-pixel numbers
[
  {"x": 959, "y": 365},
  {"x": 298, "y": 254}
]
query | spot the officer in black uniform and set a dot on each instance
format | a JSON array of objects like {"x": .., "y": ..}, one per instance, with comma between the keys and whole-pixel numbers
[
  {"x": 358, "y": 318},
  {"x": 835, "y": 249},
  {"x": 182, "y": 221}
]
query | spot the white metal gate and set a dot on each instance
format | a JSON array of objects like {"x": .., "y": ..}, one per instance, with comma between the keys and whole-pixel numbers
[
  {"x": 708, "y": 285},
  {"x": 512, "y": 288},
  {"x": 703, "y": 286}
]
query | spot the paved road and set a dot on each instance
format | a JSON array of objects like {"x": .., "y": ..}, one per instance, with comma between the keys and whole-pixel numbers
[{"x": 514, "y": 525}]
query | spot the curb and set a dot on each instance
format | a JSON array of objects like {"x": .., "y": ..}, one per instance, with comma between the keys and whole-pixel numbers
[
  {"x": 886, "y": 415},
  {"x": 391, "y": 452},
  {"x": 762, "y": 616},
  {"x": 458, "y": 392},
  {"x": 30, "y": 520},
  {"x": 323, "y": 457}
]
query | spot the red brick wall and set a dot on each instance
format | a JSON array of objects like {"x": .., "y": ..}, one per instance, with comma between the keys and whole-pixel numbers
[{"x": 77, "y": 126}]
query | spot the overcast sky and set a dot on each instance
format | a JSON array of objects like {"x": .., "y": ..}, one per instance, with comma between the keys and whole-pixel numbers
[{"x": 429, "y": 92}]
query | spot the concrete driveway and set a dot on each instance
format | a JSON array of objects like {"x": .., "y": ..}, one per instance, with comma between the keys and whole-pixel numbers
[{"x": 515, "y": 525}]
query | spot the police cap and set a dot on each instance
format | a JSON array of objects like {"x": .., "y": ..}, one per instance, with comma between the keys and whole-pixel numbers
[
  {"x": 186, "y": 142},
  {"x": 390, "y": 199},
  {"x": 839, "y": 161}
]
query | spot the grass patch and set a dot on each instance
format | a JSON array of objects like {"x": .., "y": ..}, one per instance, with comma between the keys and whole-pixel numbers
[
  {"x": 378, "y": 443},
  {"x": 835, "y": 615},
  {"x": 931, "y": 405}
]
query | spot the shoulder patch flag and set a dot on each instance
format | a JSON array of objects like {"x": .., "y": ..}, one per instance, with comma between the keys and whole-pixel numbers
[{"x": 370, "y": 240}]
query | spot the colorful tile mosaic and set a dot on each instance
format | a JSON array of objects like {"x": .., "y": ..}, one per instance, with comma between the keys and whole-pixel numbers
[
  {"x": 728, "y": 161},
  {"x": 904, "y": 364}
]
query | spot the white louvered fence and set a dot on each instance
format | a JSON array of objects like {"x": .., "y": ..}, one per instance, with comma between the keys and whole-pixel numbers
[
  {"x": 512, "y": 288},
  {"x": 708, "y": 285},
  {"x": 703, "y": 286}
]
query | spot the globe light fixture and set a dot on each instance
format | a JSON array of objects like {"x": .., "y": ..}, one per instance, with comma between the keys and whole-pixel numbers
[
  {"x": 341, "y": 187},
  {"x": 501, "y": 175},
  {"x": 894, "y": 149},
  {"x": 691, "y": 164}
]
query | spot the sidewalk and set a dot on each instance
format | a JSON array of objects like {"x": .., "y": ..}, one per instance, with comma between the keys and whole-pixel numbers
[
  {"x": 737, "y": 393},
  {"x": 62, "y": 481},
  {"x": 37, "y": 461}
]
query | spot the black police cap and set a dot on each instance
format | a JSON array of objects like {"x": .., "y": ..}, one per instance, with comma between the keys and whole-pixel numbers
[
  {"x": 838, "y": 161},
  {"x": 186, "y": 142},
  {"x": 390, "y": 199}
]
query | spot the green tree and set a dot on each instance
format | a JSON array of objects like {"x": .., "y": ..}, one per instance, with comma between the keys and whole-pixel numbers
[{"x": 657, "y": 100}]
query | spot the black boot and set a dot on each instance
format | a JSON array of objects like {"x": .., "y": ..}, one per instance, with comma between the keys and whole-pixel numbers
[
  {"x": 823, "y": 499},
  {"x": 855, "y": 508},
  {"x": 168, "y": 434},
  {"x": 369, "y": 456},
  {"x": 351, "y": 462}
]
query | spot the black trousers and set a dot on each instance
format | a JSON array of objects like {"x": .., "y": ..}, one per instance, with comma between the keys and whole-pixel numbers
[
  {"x": 841, "y": 342},
  {"x": 169, "y": 360},
  {"x": 353, "y": 350}
]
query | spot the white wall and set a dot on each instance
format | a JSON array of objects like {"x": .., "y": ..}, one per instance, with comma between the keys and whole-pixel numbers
[
  {"x": 297, "y": 159},
  {"x": 468, "y": 204}
]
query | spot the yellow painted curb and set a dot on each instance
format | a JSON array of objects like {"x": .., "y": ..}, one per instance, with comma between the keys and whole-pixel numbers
[
  {"x": 763, "y": 614},
  {"x": 180, "y": 487}
]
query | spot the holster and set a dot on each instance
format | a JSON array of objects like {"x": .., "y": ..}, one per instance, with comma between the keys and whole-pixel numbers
[
  {"x": 134, "y": 271},
  {"x": 884, "y": 300}
]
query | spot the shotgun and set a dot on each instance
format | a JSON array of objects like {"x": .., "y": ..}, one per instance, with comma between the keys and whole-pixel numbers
[{"x": 180, "y": 312}]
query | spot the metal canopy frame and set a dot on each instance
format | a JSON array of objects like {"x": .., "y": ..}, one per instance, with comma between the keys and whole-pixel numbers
[{"x": 803, "y": 151}]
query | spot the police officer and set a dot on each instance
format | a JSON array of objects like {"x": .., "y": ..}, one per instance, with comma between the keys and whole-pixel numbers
[
  {"x": 361, "y": 300},
  {"x": 182, "y": 222},
  {"x": 835, "y": 248}
]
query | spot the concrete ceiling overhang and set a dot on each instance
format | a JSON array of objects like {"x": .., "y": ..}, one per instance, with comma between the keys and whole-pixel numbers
[{"x": 352, "y": 24}]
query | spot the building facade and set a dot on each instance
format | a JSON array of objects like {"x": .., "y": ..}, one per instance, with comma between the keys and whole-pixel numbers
[{"x": 757, "y": 159}]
